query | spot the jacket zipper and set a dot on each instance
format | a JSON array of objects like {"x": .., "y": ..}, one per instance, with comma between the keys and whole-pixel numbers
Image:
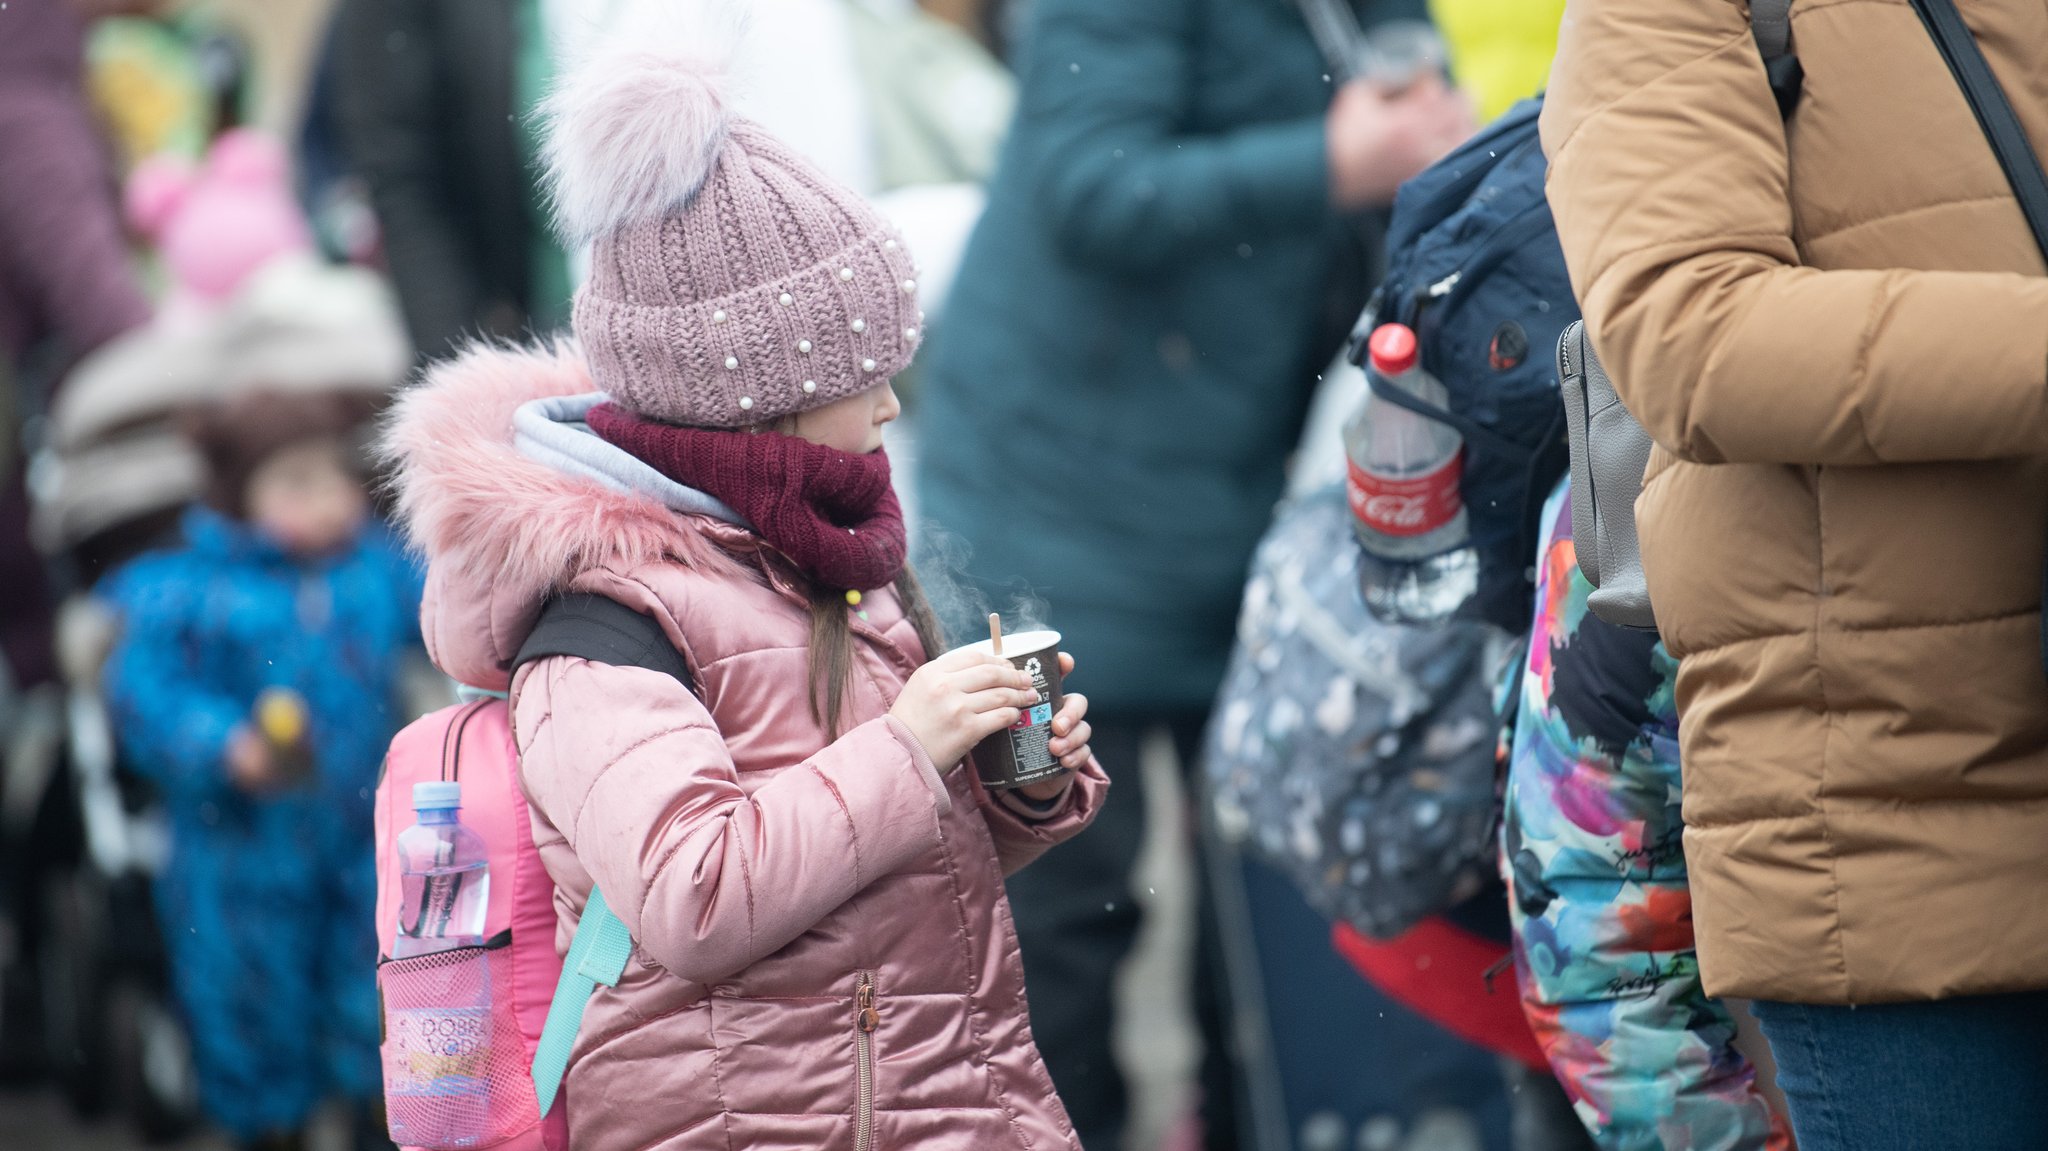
[{"x": 865, "y": 1020}]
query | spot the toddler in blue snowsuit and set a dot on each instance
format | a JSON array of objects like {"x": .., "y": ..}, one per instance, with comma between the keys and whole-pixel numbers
[{"x": 284, "y": 580}]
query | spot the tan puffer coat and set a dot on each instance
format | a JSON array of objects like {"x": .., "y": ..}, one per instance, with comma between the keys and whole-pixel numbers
[{"x": 1837, "y": 331}]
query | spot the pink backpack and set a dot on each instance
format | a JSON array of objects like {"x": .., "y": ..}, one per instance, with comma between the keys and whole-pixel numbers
[{"x": 458, "y": 1075}]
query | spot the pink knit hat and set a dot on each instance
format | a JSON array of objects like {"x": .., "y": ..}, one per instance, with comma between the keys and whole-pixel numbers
[{"x": 731, "y": 283}]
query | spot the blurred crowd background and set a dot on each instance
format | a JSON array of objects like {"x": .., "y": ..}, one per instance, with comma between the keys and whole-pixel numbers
[{"x": 210, "y": 206}]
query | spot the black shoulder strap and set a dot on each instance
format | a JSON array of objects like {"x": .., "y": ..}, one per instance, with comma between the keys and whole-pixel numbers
[
  {"x": 603, "y": 630},
  {"x": 1771, "y": 22},
  {"x": 1994, "y": 112}
]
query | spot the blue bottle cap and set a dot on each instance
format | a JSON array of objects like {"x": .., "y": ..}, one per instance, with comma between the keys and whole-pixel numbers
[{"x": 436, "y": 795}]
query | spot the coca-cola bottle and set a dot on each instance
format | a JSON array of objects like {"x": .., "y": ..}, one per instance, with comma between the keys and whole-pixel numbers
[{"x": 1418, "y": 566}]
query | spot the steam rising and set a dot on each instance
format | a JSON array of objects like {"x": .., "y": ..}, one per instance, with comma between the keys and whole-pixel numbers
[{"x": 961, "y": 604}]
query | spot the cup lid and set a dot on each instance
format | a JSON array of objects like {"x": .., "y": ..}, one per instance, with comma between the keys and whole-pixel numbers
[
  {"x": 1019, "y": 643},
  {"x": 436, "y": 794}
]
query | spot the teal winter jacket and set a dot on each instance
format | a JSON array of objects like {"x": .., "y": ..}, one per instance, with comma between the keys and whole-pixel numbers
[{"x": 1136, "y": 331}]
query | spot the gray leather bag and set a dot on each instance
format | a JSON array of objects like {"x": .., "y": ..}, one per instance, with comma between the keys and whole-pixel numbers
[
  {"x": 1609, "y": 448},
  {"x": 1609, "y": 452}
]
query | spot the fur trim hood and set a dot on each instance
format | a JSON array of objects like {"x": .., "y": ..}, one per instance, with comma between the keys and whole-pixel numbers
[{"x": 500, "y": 530}]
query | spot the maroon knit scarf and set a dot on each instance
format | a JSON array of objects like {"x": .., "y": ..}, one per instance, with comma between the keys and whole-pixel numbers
[{"x": 833, "y": 513}]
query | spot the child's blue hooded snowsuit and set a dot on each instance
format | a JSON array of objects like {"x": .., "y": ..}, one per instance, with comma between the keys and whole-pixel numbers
[{"x": 267, "y": 903}]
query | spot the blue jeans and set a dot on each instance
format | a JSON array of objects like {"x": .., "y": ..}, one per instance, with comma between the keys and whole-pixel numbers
[{"x": 1954, "y": 1075}]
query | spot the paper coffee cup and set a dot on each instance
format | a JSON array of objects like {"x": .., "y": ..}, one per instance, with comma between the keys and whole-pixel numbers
[{"x": 1020, "y": 755}]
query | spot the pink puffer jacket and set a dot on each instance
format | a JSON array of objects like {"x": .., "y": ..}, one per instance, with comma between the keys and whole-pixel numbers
[{"x": 778, "y": 884}]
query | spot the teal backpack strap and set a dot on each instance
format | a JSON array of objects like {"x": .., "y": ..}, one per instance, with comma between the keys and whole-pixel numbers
[
  {"x": 601, "y": 630},
  {"x": 597, "y": 954}
]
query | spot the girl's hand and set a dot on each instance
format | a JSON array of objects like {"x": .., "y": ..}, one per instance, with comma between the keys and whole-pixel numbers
[
  {"x": 960, "y": 699},
  {"x": 1070, "y": 733}
]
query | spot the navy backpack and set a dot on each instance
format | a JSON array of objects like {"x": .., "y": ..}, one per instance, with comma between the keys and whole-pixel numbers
[{"x": 1473, "y": 265}]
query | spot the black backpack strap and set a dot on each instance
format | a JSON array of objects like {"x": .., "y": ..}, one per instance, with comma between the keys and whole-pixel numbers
[
  {"x": 2008, "y": 138},
  {"x": 603, "y": 630},
  {"x": 1771, "y": 22},
  {"x": 1959, "y": 50}
]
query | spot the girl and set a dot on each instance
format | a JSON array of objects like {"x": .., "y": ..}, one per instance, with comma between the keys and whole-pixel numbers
[{"x": 813, "y": 882}]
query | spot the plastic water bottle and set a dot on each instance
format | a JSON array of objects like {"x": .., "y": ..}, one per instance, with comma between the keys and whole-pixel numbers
[
  {"x": 1418, "y": 565},
  {"x": 438, "y": 1025},
  {"x": 445, "y": 877}
]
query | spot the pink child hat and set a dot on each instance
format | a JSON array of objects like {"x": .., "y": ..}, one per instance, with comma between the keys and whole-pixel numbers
[
  {"x": 216, "y": 224},
  {"x": 731, "y": 283}
]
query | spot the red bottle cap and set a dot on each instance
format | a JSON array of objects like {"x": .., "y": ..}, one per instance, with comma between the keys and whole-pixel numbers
[{"x": 1393, "y": 349}]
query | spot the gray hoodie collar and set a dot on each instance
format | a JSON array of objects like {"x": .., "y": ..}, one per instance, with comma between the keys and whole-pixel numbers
[{"x": 552, "y": 431}]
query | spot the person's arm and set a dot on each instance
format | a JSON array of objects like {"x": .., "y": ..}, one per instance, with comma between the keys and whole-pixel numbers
[
  {"x": 390, "y": 108},
  {"x": 1672, "y": 193},
  {"x": 707, "y": 878},
  {"x": 174, "y": 726},
  {"x": 1025, "y": 829},
  {"x": 1107, "y": 86}
]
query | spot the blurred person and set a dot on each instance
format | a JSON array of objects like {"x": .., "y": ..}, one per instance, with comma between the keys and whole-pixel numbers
[
  {"x": 64, "y": 270},
  {"x": 1604, "y": 947},
  {"x": 1169, "y": 256},
  {"x": 283, "y": 594},
  {"x": 335, "y": 195},
  {"x": 1835, "y": 327},
  {"x": 811, "y": 877},
  {"x": 113, "y": 445},
  {"x": 279, "y": 604},
  {"x": 66, "y": 288},
  {"x": 434, "y": 102}
]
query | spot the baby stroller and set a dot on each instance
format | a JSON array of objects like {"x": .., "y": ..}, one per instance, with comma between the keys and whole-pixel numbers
[
  {"x": 111, "y": 482},
  {"x": 110, "y": 479}
]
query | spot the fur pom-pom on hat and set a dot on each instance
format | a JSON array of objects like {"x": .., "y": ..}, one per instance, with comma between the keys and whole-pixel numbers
[{"x": 636, "y": 123}]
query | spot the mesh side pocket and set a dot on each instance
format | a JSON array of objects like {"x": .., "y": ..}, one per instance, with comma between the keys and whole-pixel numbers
[{"x": 456, "y": 1071}]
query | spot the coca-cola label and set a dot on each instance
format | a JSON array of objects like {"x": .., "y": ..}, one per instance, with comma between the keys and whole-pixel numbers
[{"x": 1408, "y": 505}]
